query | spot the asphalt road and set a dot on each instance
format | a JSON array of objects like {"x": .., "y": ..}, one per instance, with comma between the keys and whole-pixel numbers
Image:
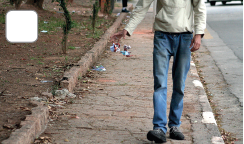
[
  {"x": 221, "y": 62},
  {"x": 227, "y": 21}
]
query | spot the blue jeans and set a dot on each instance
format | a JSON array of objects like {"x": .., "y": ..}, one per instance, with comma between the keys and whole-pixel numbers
[{"x": 165, "y": 46}]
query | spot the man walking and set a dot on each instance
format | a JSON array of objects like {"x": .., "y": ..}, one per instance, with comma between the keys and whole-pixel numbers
[{"x": 174, "y": 24}]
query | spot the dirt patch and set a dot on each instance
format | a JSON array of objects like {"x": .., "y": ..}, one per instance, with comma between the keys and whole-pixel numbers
[{"x": 24, "y": 66}]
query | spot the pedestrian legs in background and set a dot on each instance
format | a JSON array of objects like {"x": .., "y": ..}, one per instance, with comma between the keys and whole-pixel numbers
[{"x": 124, "y": 9}]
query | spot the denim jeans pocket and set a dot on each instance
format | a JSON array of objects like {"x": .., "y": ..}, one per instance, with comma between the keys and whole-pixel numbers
[
  {"x": 159, "y": 35},
  {"x": 187, "y": 37}
]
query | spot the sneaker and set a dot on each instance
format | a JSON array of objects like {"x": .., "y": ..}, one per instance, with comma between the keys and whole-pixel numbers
[
  {"x": 175, "y": 133},
  {"x": 125, "y": 10},
  {"x": 156, "y": 135}
]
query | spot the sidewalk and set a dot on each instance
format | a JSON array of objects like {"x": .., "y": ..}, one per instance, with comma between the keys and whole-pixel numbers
[{"x": 116, "y": 105}]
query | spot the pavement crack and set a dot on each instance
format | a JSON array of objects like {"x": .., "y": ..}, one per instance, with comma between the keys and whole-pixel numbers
[{"x": 132, "y": 134}]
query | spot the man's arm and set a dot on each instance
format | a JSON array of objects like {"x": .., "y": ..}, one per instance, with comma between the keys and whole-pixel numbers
[
  {"x": 199, "y": 8},
  {"x": 137, "y": 16}
]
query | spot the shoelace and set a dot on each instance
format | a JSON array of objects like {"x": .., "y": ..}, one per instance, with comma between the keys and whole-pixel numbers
[
  {"x": 175, "y": 129},
  {"x": 158, "y": 131}
]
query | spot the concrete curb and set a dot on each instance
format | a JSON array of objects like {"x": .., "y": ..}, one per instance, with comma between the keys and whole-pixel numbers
[
  {"x": 207, "y": 115},
  {"x": 32, "y": 127},
  {"x": 70, "y": 77}
]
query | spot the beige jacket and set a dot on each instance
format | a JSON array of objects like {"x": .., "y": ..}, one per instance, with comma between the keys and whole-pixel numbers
[{"x": 172, "y": 16}]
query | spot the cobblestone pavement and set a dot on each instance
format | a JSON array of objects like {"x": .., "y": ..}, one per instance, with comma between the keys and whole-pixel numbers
[{"x": 116, "y": 106}]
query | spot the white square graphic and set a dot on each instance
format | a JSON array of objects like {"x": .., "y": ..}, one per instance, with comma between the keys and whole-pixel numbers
[{"x": 21, "y": 26}]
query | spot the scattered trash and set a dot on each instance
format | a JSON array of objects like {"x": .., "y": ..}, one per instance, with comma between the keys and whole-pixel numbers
[
  {"x": 129, "y": 55},
  {"x": 99, "y": 68},
  {"x": 73, "y": 11},
  {"x": 126, "y": 47},
  {"x": 118, "y": 14},
  {"x": 63, "y": 93},
  {"x": 128, "y": 16},
  {"x": 45, "y": 22},
  {"x": 45, "y": 81},
  {"x": 44, "y": 31},
  {"x": 125, "y": 53},
  {"x": 115, "y": 47}
]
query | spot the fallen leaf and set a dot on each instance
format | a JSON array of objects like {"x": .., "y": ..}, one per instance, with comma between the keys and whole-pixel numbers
[
  {"x": 9, "y": 126},
  {"x": 66, "y": 140},
  {"x": 25, "y": 108}
]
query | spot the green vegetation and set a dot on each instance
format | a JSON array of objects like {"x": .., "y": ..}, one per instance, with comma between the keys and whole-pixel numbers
[
  {"x": 54, "y": 88},
  {"x": 54, "y": 24},
  {"x": 39, "y": 62},
  {"x": 71, "y": 47},
  {"x": 51, "y": 25},
  {"x": 2, "y": 18},
  {"x": 97, "y": 33}
]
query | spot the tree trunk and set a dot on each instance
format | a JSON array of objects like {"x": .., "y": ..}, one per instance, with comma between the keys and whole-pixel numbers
[
  {"x": 31, "y": 2},
  {"x": 64, "y": 43},
  {"x": 36, "y": 3},
  {"x": 67, "y": 26},
  {"x": 17, "y": 3}
]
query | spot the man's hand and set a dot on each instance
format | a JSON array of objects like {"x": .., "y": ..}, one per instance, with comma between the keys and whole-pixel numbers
[
  {"x": 195, "y": 42},
  {"x": 117, "y": 36}
]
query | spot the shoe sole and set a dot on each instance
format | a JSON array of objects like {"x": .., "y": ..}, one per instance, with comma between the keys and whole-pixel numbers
[
  {"x": 176, "y": 138},
  {"x": 152, "y": 137}
]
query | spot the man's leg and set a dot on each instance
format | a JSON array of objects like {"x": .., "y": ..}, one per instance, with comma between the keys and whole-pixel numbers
[
  {"x": 161, "y": 57},
  {"x": 181, "y": 66}
]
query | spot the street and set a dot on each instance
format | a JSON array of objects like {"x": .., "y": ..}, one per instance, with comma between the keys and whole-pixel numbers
[
  {"x": 221, "y": 67},
  {"x": 227, "y": 21}
]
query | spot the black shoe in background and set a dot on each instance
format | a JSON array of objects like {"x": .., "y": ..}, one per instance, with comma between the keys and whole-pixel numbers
[
  {"x": 156, "y": 135},
  {"x": 175, "y": 133},
  {"x": 125, "y": 10}
]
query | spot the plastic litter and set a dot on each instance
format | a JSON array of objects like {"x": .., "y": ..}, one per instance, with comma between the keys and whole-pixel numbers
[
  {"x": 127, "y": 47},
  {"x": 118, "y": 14},
  {"x": 99, "y": 68},
  {"x": 125, "y": 53},
  {"x": 115, "y": 47},
  {"x": 45, "y": 81},
  {"x": 129, "y": 55},
  {"x": 45, "y": 22},
  {"x": 44, "y": 31}
]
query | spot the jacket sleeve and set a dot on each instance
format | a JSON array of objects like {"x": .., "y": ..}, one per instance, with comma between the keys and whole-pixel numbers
[
  {"x": 199, "y": 8},
  {"x": 138, "y": 15}
]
